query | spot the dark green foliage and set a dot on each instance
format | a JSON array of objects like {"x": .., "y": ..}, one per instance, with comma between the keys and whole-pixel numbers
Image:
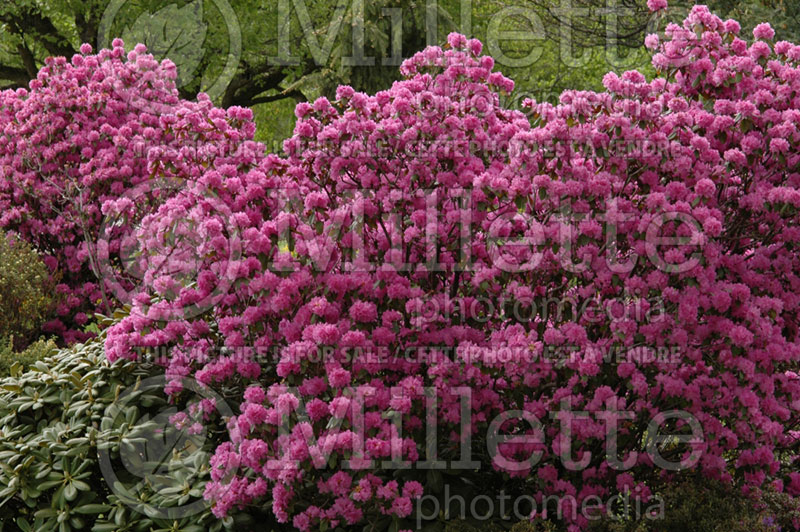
[
  {"x": 702, "y": 505},
  {"x": 53, "y": 420},
  {"x": 706, "y": 506},
  {"x": 26, "y": 291}
]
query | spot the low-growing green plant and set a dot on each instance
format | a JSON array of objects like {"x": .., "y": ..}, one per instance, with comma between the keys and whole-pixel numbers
[
  {"x": 696, "y": 505},
  {"x": 706, "y": 506},
  {"x": 15, "y": 362},
  {"x": 476, "y": 525},
  {"x": 59, "y": 419},
  {"x": 702, "y": 505},
  {"x": 27, "y": 288}
]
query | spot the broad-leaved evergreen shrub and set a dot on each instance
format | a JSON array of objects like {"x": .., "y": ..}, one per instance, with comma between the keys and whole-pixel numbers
[{"x": 53, "y": 418}]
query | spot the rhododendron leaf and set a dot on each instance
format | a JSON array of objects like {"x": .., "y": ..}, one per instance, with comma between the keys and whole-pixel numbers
[
  {"x": 46, "y": 512},
  {"x": 70, "y": 491}
]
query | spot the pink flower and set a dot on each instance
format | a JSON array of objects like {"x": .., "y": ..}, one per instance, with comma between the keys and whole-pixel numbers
[
  {"x": 286, "y": 403},
  {"x": 705, "y": 187},
  {"x": 779, "y": 146},
  {"x": 339, "y": 377},
  {"x": 732, "y": 26},
  {"x": 339, "y": 484},
  {"x": 412, "y": 489},
  {"x": 362, "y": 492},
  {"x": 302, "y": 522},
  {"x": 456, "y": 40},
  {"x": 475, "y": 46},
  {"x": 254, "y": 394},
  {"x": 764, "y": 31},
  {"x": 740, "y": 336},
  {"x": 317, "y": 409},
  {"x": 402, "y": 506},
  {"x": 794, "y": 484},
  {"x": 363, "y": 312}
]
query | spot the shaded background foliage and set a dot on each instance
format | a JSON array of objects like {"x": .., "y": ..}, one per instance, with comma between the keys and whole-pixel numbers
[
  {"x": 596, "y": 30},
  {"x": 27, "y": 289}
]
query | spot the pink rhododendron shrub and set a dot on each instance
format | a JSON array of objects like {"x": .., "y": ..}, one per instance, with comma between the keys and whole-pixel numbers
[
  {"x": 612, "y": 280},
  {"x": 90, "y": 130}
]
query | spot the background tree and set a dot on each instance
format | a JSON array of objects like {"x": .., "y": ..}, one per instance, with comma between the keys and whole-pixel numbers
[
  {"x": 281, "y": 50},
  {"x": 195, "y": 34},
  {"x": 565, "y": 44},
  {"x": 625, "y": 23}
]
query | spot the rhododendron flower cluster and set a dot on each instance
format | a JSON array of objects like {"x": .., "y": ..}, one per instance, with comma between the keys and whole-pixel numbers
[
  {"x": 376, "y": 293},
  {"x": 89, "y": 130},
  {"x": 682, "y": 190}
]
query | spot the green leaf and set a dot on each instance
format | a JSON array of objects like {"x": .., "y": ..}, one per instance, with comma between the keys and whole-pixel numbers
[
  {"x": 50, "y": 484},
  {"x": 46, "y": 512},
  {"x": 105, "y": 527},
  {"x": 92, "y": 508},
  {"x": 80, "y": 485}
]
